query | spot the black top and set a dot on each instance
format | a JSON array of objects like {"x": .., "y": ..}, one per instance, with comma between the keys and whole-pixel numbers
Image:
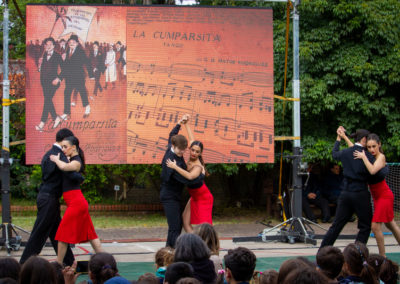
[
  {"x": 379, "y": 176},
  {"x": 197, "y": 182},
  {"x": 172, "y": 182},
  {"x": 71, "y": 184},
  {"x": 52, "y": 176},
  {"x": 355, "y": 172}
]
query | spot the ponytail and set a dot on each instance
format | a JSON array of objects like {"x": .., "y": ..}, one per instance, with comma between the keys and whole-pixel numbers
[
  {"x": 356, "y": 255},
  {"x": 82, "y": 156},
  {"x": 389, "y": 272}
]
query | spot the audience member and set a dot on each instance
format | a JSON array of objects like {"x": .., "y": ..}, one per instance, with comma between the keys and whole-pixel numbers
[
  {"x": 330, "y": 261},
  {"x": 176, "y": 271},
  {"x": 37, "y": 270},
  {"x": 103, "y": 269},
  {"x": 208, "y": 234},
  {"x": 356, "y": 266},
  {"x": 385, "y": 269},
  {"x": 289, "y": 265},
  {"x": 269, "y": 276},
  {"x": 192, "y": 249},
  {"x": 306, "y": 275},
  {"x": 188, "y": 280},
  {"x": 148, "y": 278},
  {"x": 332, "y": 184},
  {"x": 239, "y": 265},
  {"x": 59, "y": 272},
  {"x": 9, "y": 268},
  {"x": 163, "y": 258},
  {"x": 312, "y": 194}
]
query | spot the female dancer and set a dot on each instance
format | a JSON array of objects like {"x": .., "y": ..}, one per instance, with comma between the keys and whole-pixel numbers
[
  {"x": 380, "y": 191},
  {"x": 76, "y": 225},
  {"x": 199, "y": 207}
]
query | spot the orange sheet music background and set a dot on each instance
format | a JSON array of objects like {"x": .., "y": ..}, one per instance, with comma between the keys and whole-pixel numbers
[{"x": 215, "y": 64}]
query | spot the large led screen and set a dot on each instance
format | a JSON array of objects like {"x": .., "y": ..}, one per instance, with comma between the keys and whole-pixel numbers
[{"x": 121, "y": 78}]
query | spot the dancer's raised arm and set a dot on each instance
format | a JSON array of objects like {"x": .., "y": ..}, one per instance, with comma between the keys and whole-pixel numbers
[
  {"x": 189, "y": 130},
  {"x": 342, "y": 133},
  {"x": 372, "y": 168},
  {"x": 194, "y": 173}
]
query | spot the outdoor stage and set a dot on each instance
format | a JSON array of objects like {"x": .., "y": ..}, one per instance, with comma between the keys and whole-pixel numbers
[{"x": 134, "y": 248}]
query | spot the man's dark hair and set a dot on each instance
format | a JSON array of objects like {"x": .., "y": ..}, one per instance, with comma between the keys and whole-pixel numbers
[
  {"x": 63, "y": 133},
  {"x": 49, "y": 39},
  {"x": 9, "y": 267},
  {"x": 176, "y": 271},
  {"x": 330, "y": 261},
  {"x": 359, "y": 134},
  {"x": 241, "y": 262}
]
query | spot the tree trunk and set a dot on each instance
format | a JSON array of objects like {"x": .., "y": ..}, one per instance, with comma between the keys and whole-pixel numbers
[{"x": 118, "y": 2}]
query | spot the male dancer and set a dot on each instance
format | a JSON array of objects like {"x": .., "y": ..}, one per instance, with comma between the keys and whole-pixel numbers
[
  {"x": 49, "y": 65},
  {"x": 48, "y": 204},
  {"x": 74, "y": 74},
  {"x": 355, "y": 197}
]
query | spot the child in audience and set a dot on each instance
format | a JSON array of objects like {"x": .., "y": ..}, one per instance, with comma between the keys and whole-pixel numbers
[
  {"x": 148, "y": 278},
  {"x": 192, "y": 249},
  {"x": 306, "y": 275},
  {"x": 176, "y": 271},
  {"x": 239, "y": 265},
  {"x": 208, "y": 234},
  {"x": 103, "y": 269},
  {"x": 386, "y": 269},
  {"x": 9, "y": 268},
  {"x": 188, "y": 280},
  {"x": 37, "y": 270},
  {"x": 163, "y": 258},
  {"x": 330, "y": 261},
  {"x": 269, "y": 276},
  {"x": 356, "y": 266},
  {"x": 288, "y": 266}
]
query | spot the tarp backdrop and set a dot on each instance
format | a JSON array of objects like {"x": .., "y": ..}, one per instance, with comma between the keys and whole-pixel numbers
[{"x": 143, "y": 68}]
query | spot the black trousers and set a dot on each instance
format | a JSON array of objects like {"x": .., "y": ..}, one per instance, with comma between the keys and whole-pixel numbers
[
  {"x": 69, "y": 87},
  {"x": 173, "y": 212},
  {"x": 349, "y": 203},
  {"x": 46, "y": 225},
  {"x": 48, "y": 106},
  {"x": 97, "y": 85},
  {"x": 321, "y": 203}
]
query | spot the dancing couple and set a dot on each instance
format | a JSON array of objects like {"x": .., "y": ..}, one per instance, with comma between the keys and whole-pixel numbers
[
  {"x": 175, "y": 174},
  {"x": 360, "y": 168},
  {"x": 62, "y": 169}
]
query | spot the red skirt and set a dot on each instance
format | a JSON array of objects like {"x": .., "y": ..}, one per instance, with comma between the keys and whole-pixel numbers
[
  {"x": 76, "y": 225},
  {"x": 383, "y": 202},
  {"x": 201, "y": 204}
]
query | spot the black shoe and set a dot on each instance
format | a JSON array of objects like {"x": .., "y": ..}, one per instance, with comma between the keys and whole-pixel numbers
[{"x": 329, "y": 220}]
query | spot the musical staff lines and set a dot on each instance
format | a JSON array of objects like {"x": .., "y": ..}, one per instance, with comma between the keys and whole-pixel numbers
[
  {"x": 141, "y": 146},
  {"x": 187, "y": 93},
  {"x": 196, "y": 73},
  {"x": 247, "y": 134}
]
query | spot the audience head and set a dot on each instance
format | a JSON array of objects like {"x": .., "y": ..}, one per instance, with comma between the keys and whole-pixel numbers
[
  {"x": 188, "y": 280},
  {"x": 269, "y": 276},
  {"x": 330, "y": 261},
  {"x": 305, "y": 275},
  {"x": 288, "y": 266},
  {"x": 102, "y": 266},
  {"x": 59, "y": 274},
  {"x": 164, "y": 257},
  {"x": 62, "y": 134},
  {"x": 190, "y": 248},
  {"x": 385, "y": 269},
  {"x": 37, "y": 270},
  {"x": 148, "y": 278},
  {"x": 208, "y": 234},
  {"x": 355, "y": 262},
  {"x": 10, "y": 268},
  {"x": 239, "y": 264},
  {"x": 176, "y": 271},
  {"x": 334, "y": 168}
]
